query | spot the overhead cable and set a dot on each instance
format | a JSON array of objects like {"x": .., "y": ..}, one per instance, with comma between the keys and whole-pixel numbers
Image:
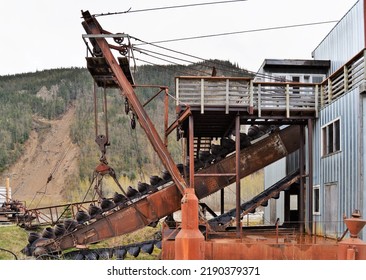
[
  {"x": 167, "y": 7},
  {"x": 241, "y": 32},
  {"x": 191, "y": 56}
]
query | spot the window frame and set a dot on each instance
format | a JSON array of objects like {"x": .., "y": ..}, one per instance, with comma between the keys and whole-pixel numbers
[{"x": 331, "y": 145}]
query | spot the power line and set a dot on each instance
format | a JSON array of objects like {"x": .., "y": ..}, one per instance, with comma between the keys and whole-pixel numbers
[
  {"x": 167, "y": 7},
  {"x": 144, "y": 51},
  {"x": 165, "y": 69},
  {"x": 164, "y": 48},
  {"x": 171, "y": 62},
  {"x": 154, "y": 44},
  {"x": 241, "y": 32},
  {"x": 208, "y": 64},
  {"x": 192, "y": 56},
  {"x": 204, "y": 61}
]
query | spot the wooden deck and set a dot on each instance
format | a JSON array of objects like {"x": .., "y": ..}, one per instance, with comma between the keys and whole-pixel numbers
[
  {"x": 263, "y": 99},
  {"x": 268, "y": 100}
]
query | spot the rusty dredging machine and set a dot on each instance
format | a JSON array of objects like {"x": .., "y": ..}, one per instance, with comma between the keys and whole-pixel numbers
[{"x": 207, "y": 108}]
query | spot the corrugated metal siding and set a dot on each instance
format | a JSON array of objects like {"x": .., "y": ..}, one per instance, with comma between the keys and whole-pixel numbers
[
  {"x": 345, "y": 40},
  {"x": 272, "y": 174},
  {"x": 363, "y": 166},
  {"x": 292, "y": 162},
  {"x": 342, "y": 167}
]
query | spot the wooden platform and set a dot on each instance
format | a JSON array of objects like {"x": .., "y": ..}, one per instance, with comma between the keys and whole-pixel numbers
[{"x": 215, "y": 102}]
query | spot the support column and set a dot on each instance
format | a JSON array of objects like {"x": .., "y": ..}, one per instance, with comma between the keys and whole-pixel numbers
[
  {"x": 166, "y": 116},
  {"x": 237, "y": 169},
  {"x": 302, "y": 180},
  {"x": 191, "y": 151},
  {"x": 310, "y": 173},
  {"x": 189, "y": 242}
]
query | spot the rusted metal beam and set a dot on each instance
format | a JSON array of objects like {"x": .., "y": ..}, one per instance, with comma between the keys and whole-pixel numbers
[
  {"x": 185, "y": 114},
  {"x": 92, "y": 26},
  {"x": 283, "y": 187},
  {"x": 127, "y": 220},
  {"x": 168, "y": 200},
  {"x": 216, "y": 175},
  {"x": 189, "y": 242},
  {"x": 257, "y": 156},
  {"x": 237, "y": 175},
  {"x": 152, "y": 97},
  {"x": 191, "y": 152},
  {"x": 310, "y": 172},
  {"x": 302, "y": 180},
  {"x": 166, "y": 115},
  {"x": 51, "y": 215}
]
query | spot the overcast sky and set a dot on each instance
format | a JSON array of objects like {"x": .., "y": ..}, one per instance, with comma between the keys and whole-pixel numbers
[{"x": 47, "y": 34}]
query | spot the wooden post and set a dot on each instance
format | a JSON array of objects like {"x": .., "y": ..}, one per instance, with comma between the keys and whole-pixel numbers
[
  {"x": 345, "y": 79},
  {"x": 330, "y": 91},
  {"x": 316, "y": 101},
  {"x": 251, "y": 97},
  {"x": 202, "y": 96},
  {"x": 227, "y": 97},
  {"x": 287, "y": 100},
  {"x": 259, "y": 101}
]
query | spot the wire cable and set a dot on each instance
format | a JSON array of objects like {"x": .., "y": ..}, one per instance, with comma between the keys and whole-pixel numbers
[
  {"x": 243, "y": 31},
  {"x": 182, "y": 53},
  {"x": 162, "y": 67},
  {"x": 169, "y": 61},
  {"x": 129, "y": 11},
  {"x": 199, "y": 58},
  {"x": 10, "y": 252},
  {"x": 154, "y": 44}
]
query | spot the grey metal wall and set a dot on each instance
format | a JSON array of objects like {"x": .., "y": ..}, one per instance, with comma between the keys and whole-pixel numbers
[
  {"x": 363, "y": 165},
  {"x": 345, "y": 40},
  {"x": 344, "y": 167},
  {"x": 272, "y": 174}
]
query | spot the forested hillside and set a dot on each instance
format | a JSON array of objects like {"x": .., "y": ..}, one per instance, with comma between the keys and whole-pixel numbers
[
  {"x": 26, "y": 99},
  {"x": 45, "y": 94}
]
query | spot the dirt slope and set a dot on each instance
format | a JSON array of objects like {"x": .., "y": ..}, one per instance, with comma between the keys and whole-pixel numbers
[{"x": 49, "y": 164}]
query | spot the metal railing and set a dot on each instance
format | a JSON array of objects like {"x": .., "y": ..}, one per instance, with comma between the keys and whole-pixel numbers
[{"x": 52, "y": 215}]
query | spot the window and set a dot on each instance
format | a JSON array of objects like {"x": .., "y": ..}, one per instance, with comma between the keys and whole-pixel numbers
[
  {"x": 331, "y": 137},
  {"x": 318, "y": 79},
  {"x": 295, "y": 89},
  {"x": 316, "y": 200}
]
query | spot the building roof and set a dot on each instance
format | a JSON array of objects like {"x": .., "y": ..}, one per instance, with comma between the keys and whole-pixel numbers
[{"x": 296, "y": 65}]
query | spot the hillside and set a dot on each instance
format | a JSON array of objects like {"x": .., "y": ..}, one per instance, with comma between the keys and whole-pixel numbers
[
  {"x": 47, "y": 130},
  {"x": 49, "y": 163}
]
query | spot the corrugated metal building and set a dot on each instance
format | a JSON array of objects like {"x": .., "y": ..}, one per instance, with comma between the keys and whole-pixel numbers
[
  {"x": 345, "y": 40},
  {"x": 338, "y": 175},
  {"x": 338, "y": 135}
]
